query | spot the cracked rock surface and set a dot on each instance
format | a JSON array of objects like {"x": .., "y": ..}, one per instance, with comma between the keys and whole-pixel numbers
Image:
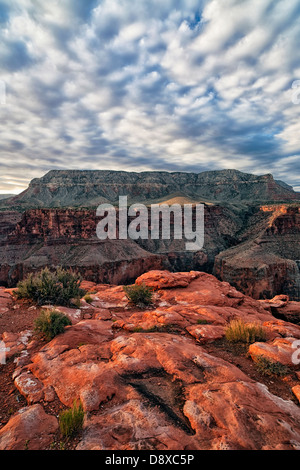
[{"x": 157, "y": 377}]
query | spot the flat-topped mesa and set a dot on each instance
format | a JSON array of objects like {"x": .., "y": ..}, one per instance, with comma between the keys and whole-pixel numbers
[{"x": 89, "y": 188}]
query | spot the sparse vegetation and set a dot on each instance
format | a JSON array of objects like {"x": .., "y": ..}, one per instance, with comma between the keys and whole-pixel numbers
[
  {"x": 71, "y": 421},
  {"x": 50, "y": 324},
  {"x": 240, "y": 331},
  {"x": 60, "y": 287},
  {"x": 267, "y": 367},
  {"x": 139, "y": 294},
  {"x": 88, "y": 298},
  {"x": 201, "y": 321}
]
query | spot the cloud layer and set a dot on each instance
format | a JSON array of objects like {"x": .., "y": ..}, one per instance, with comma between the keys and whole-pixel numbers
[{"x": 136, "y": 85}]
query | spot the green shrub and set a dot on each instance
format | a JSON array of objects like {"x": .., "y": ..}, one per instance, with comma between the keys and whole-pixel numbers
[
  {"x": 139, "y": 294},
  {"x": 51, "y": 323},
  {"x": 58, "y": 287},
  {"x": 88, "y": 298},
  {"x": 268, "y": 367},
  {"x": 201, "y": 321},
  {"x": 71, "y": 421},
  {"x": 239, "y": 331}
]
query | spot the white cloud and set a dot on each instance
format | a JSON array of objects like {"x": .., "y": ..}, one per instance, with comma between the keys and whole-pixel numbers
[{"x": 149, "y": 85}]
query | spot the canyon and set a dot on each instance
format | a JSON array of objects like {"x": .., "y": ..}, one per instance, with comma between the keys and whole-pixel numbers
[
  {"x": 162, "y": 376},
  {"x": 251, "y": 228}
]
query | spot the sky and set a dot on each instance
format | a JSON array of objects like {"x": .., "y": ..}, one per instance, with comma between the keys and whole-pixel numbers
[{"x": 136, "y": 85}]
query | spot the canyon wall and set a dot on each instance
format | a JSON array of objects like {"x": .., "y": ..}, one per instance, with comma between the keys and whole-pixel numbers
[
  {"x": 267, "y": 262},
  {"x": 256, "y": 250},
  {"x": 251, "y": 228},
  {"x": 67, "y": 237}
]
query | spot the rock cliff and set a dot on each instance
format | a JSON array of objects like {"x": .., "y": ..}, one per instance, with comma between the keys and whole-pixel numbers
[
  {"x": 74, "y": 188},
  {"x": 251, "y": 228},
  {"x": 48, "y": 237},
  {"x": 266, "y": 263}
]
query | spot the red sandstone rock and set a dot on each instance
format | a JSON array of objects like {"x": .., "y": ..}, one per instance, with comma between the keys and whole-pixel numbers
[
  {"x": 15, "y": 343},
  {"x": 87, "y": 285},
  {"x": 30, "y": 387},
  {"x": 296, "y": 391},
  {"x": 279, "y": 350},
  {"x": 8, "y": 293},
  {"x": 206, "y": 333},
  {"x": 245, "y": 423},
  {"x": 31, "y": 428},
  {"x": 206, "y": 290},
  {"x": 164, "y": 279},
  {"x": 145, "y": 382},
  {"x": 102, "y": 314},
  {"x": 134, "y": 397},
  {"x": 5, "y": 301},
  {"x": 109, "y": 297},
  {"x": 278, "y": 301},
  {"x": 282, "y": 329},
  {"x": 74, "y": 314},
  {"x": 66, "y": 355}
]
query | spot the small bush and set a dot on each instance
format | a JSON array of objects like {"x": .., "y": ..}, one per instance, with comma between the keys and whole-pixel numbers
[
  {"x": 239, "y": 331},
  {"x": 201, "y": 321},
  {"x": 267, "y": 367},
  {"x": 71, "y": 421},
  {"x": 139, "y": 294},
  {"x": 51, "y": 323},
  {"x": 46, "y": 287},
  {"x": 88, "y": 298}
]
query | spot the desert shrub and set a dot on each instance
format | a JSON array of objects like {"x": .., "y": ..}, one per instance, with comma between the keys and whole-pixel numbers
[
  {"x": 58, "y": 287},
  {"x": 51, "y": 323},
  {"x": 268, "y": 367},
  {"x": 71, "y": 421},
  {"x": 88, "y": 298},
  {"x": 139, "y": 294},
  {"x": 239, "y": 331},
  {"x": 201, "y": 321}
]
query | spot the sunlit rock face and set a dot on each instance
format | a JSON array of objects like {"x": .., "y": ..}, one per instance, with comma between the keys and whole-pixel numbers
[{"x": 151, "y": 377}]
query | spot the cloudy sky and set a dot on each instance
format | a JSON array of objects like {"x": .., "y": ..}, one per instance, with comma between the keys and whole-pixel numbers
[{"x": 175, "y": 85}]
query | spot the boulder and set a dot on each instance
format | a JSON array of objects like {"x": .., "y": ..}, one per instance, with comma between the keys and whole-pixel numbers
[
  {"x": 164, "y": 279},
  {"x": 279, "y": 350},
  {"x": 206, "y": 333},
  {"x": 30, "y": 428}
]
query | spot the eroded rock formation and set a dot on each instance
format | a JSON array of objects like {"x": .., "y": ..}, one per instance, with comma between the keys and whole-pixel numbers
[
  {"x": 266, "y": 263},
  {"x": 75, "y": 188},
  {"x": 250, "y": 241}
]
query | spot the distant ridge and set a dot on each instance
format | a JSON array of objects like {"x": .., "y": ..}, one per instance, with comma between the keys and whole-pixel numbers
[
  {"x": 6, "y": 196},
  {"x": 89, "y": 188}
]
